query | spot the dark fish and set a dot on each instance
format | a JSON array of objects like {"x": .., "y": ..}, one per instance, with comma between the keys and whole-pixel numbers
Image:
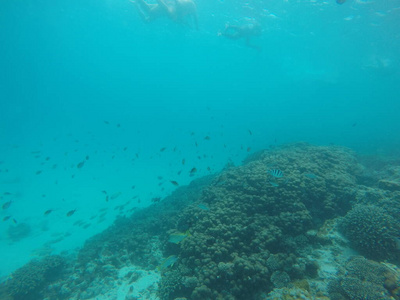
[
  {"x": 71, "y": 212},
  {"x": 275, "y": 173},
  {"x": 118, "y": 125},
  {"x": 156, "y": 199},
  {"x": 106, "y": 122},
  {"x": 6, "y": 193},
  {"x": 354, "y": 125},
  {"x": 207, "y": 138},
  {"x": 248, "y": 149},
  {"x": 249, "y": 131},
  {"x": 47, "y": 158},
  {"x": 340, "y": 1},
  {"x": 107, "y": 198},
  {"x": 15, "y": 221},
  {"x": 125, "y": 148},
  {"x": 78, "y": 223},
  {"x": 6, "y": 205},
  {"x": 133, "y": 187},
  {"x": 47, "y": 212},
  {"x": 183, "y": 161},
  {"x": 6, "y": 218},
  {"x": 104, "y": 192},
  {"x": 87, "y": 157},
  {"x": 179, "y": 172},
  {"x": 208, "y": 169},
  {"x": 38, "y": 172},
  {"x": 137, "y": 155},
  {"x": 193, "y": 171},
  {"x": 115, "y": 195},
  {"x": 80, "y": 165},
  {"x": 159, "y": 177},
  {"x": 174, "y": 182},
  {"x": 163, "y": 149},
  {"x": 196, "y": 144}
]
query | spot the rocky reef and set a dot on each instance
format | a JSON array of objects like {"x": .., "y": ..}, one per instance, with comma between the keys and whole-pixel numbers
[{"x": 268, "y": 229}]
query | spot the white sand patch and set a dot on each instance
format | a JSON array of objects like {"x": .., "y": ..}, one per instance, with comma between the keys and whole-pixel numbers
[
  {"x": 133, "y": 283},
  {"x": 330, "y": 258}
]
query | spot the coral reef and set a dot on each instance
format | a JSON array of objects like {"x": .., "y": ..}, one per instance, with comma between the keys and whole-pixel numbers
[
  {"x": 251, "y": 238},
  {"x": 251, "y": 233},
  {"x": 133, "y": 241},
  {"x": 28, "y": 282},
  {"x": 372, "y": 231},
  {"x": 366, "y": 279}
]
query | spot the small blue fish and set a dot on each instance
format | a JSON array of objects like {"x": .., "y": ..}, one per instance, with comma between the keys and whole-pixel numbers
[
  {"x": 275, "y": 173},
  {"x": 168, "y": 262},
  {"x": 178, "y": 237},
  {"x": 311, "y": 175},
  {"x": 203, "y": 206},
  {"x": 274, "y": 184}
]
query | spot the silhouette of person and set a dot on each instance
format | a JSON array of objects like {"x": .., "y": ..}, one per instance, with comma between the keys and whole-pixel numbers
[
  {"x": 179, "y": 11},
  {"x": 246, "y": 31}
]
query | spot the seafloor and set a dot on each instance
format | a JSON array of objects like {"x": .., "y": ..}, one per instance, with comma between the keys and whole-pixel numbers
[{"x": 294, "y": 222}]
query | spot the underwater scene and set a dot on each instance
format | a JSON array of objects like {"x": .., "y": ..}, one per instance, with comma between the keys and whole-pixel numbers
[{"x": 200, "y": 149}]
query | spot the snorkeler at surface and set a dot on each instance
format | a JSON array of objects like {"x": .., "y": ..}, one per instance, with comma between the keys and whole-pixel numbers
[
  {"x": 178, "y": 11},
  {"x": 246, "y": 31}
]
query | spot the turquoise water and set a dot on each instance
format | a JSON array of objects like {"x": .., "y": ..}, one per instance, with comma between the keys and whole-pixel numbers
[{"x": 89, "y": 81}]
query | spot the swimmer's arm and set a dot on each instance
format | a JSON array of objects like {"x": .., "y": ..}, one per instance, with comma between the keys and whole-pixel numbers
[{"x": 163, "y": 5}]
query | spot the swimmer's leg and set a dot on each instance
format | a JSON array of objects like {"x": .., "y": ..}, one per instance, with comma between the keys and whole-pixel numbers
[
  {"x": 166, "y": 7},
  {"x": 144, "y": 9}
]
